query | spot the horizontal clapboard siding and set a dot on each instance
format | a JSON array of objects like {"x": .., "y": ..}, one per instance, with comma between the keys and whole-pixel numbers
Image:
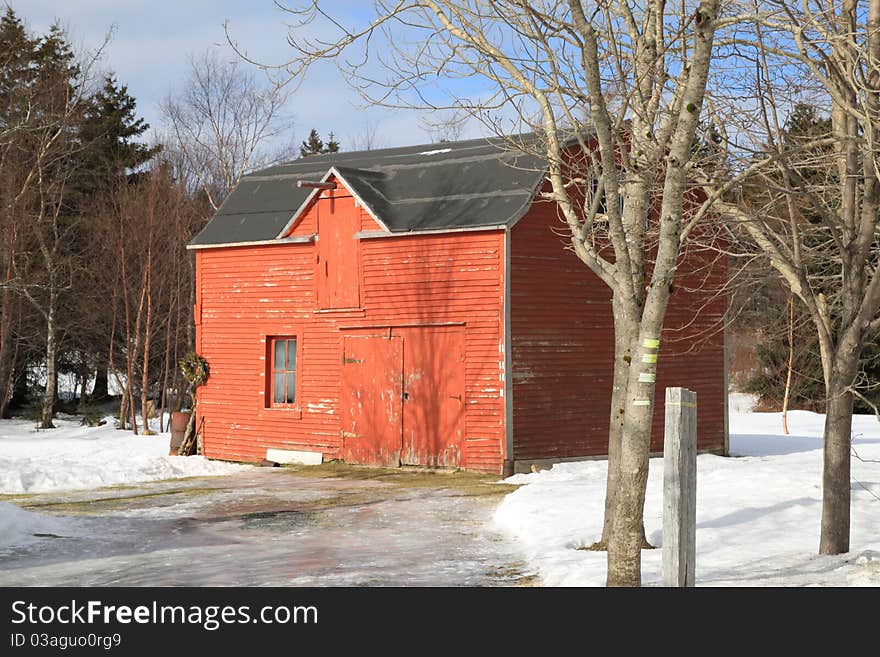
[
  {"x": 562, "y": 336},
  {"x": 248, "y": 293}
]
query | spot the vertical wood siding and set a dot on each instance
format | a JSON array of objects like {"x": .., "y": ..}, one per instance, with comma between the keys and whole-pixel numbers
[
  {"x": 562, "y": 345},
  {"x": 248, "y": 293}
]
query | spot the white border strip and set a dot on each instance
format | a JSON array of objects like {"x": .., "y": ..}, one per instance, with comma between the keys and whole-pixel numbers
[
  {"x": 302, "y": 239},
  {"x": 331, "y": 172},
  {"x": 376, "y": 234},
  {"x": 509, "y": 444}
]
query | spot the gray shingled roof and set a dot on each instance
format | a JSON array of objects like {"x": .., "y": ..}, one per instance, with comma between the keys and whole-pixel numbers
[{"x": 464, "y": 184}]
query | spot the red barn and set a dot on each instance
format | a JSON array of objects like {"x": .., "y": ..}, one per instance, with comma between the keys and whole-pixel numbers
[{"x": 421, "y": 310}]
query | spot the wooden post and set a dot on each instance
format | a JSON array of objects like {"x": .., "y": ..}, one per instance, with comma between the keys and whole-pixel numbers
[{"x": 680, "y": 487}]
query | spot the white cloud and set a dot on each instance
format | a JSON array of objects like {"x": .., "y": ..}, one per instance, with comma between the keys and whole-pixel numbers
[{"x": 152, "y": 39}]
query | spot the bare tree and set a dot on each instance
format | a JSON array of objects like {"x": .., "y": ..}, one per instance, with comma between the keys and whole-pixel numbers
[
  {"x": 43, "y": 268},
  {"x": 614, "y": 92},
  {"x": 444, "y": 126},
  {"x": 367, "y": 138},
  {"x": 817, "y": 214},
  {"x": 222, "y": 120},
  {"x": 146, "y": 222}
]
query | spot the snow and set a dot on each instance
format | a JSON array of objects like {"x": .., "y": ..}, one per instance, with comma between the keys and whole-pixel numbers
[
  {"x": 19, "y": 527},
  {"x": 740, "y": 402},
  {"x": 758, "y": 512},
  {"x": 436, "y": 152},
  {"x": 75, "y": 457}
]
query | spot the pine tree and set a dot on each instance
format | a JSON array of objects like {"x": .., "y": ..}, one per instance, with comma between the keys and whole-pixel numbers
[
  {"x": 314, "y": 145},
  {"x": 17, "y": 72},
  {"x": 109, "y": 129}
]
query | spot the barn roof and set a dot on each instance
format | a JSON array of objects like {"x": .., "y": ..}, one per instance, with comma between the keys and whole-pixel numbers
[{"x": 463, "y": 184}]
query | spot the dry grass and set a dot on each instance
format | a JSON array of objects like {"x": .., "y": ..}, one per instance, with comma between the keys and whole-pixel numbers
[{"x": 466, "y": 483}]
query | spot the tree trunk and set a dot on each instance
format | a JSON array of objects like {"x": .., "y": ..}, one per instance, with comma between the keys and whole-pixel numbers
[
  {"x": 787, "y": 394},
  {"x": 101, "y": 389},
  {"x": 625, "y": 335},
  {"x": 7, "y": 359},
  {"x": 163, "y": 393},
  {"x": 166, "y": 366},
  {"x": 132, "y": 409},
  {"x": 5, "y": 350},
  {"x": 626, "y": 536},
  {"x": 836, "y": 482},
  {"x": 7, "y": 374},
  {"x": 20, "y": 392},
  {"x": 145, "y": 375},
  {"x": 12, "y": 388},
  {"x": 123, "y": 408},
  {"x": 130, "y": 357},
  {"x": 51, "y": 378}
]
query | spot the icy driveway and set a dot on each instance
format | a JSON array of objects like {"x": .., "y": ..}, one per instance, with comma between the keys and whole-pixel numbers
[{"x": 271, "y": 527}]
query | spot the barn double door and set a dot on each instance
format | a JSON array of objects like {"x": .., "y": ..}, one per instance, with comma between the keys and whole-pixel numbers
[{"x": 402, "y": 400}]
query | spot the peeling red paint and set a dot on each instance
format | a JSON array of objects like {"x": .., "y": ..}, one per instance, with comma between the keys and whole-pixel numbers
[
  {"x": 428, "y": 281},
  {"x": 433, "y": 307}
]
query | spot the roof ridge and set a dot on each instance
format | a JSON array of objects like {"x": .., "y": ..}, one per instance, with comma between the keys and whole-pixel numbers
[{"x": 443, "y": 186}]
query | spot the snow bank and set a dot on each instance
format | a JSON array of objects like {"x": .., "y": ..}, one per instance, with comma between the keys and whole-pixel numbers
[
  {"x": 757, "y": 515},
  {"x": 73, "y": 457},
  {"x": 741, "y": 402},
  {"x": 20, "y": 527}
]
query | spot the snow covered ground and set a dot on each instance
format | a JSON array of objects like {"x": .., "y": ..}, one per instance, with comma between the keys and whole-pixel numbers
[
  {"x": 757, "y": 514},
  {"x": 19, "y": 527},
  {"x": 73, "y": 456}
]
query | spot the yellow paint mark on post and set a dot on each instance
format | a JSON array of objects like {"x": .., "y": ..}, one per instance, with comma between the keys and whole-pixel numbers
[
  {"x": 647, "y": 377},
  {"x": 651, "y": 343},
  {"x": 649, "y": 358}
]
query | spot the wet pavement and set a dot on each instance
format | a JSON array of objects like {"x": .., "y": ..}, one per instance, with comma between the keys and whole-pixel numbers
[{"x": 273, "y": 527}]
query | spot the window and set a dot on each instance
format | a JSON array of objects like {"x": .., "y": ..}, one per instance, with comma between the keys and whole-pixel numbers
[{"x": 282, "y": 382}]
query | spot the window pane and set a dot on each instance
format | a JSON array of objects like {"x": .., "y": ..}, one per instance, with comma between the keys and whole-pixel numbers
[
  {"x": 291, "y": 388},
  {"x": 278, "y": 389},
  {"x": 278, "y": 361},
  {"x": 291, "y": 355}
]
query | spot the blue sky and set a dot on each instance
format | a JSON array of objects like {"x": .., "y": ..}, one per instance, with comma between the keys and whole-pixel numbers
[{"x": 152, "y": 38}]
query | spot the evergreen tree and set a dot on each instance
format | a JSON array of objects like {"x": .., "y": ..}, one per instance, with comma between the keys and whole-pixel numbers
[
  {"x": 314, "y": 145},
  {"x": 109, "y": 130},
  {"x": 108, "y": 133},
  {"x": 17, "y": 71}
]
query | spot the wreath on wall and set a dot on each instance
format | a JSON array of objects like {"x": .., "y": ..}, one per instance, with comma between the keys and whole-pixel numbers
[{"x": 195, "y": 369}]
